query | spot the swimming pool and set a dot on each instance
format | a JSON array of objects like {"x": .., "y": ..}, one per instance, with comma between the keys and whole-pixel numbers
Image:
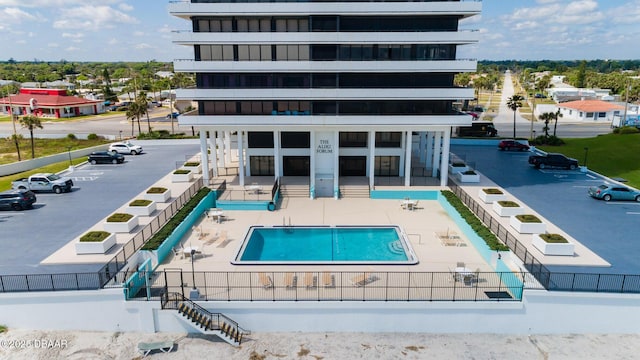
[{"x": 325, "y": 245}]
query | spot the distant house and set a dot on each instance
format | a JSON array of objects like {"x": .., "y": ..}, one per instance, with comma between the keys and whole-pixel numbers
[
  {"x": 164, "y": 74},
  {"x": 50, "y": 103},
  {"x": 589, "y": 110}
]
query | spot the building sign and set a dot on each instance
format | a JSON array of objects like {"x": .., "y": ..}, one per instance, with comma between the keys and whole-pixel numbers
[{"x": 324, "y": 147}]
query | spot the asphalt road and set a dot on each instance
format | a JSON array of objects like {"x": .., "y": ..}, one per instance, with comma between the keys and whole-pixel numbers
[
  {"x": 610, "y": 229},
  {"x": 30, "y": 236}
]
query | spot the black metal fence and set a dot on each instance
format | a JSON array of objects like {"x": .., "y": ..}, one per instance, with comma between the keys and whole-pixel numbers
[
  {"x": 111, "y": 270},
  {"x": 559, "y": 281},
  {"x": 336, "y": 286}
]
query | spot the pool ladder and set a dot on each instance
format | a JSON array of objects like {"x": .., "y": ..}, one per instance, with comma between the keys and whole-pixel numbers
[{"x": 287, "y": 228}]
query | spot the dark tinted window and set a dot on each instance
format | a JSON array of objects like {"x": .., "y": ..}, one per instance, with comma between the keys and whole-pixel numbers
[{"x": 260, "y": 139}]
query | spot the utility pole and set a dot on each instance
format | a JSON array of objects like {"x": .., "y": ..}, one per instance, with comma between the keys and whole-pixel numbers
[
  {"x": 626, "y": 103},
  {"x": 13, "y": 121}
]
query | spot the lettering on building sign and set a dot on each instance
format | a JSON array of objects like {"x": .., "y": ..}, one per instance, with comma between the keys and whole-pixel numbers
[{"x": 324, "y": 147}]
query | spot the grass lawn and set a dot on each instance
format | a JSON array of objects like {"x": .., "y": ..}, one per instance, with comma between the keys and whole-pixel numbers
[
  {"x": 5, "y": 181},
  {"x": 43, "y": 147},
  {"x": 611, "y": 155}
]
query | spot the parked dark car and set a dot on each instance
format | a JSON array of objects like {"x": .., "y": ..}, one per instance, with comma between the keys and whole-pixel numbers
[
  {"x": 553, "y": 160},
  {"x": 521, "y": 145},
  {"x": 608, "y": 192},
  {"x": 17, "y": 199},
  {"x": 105, "y": 157}
]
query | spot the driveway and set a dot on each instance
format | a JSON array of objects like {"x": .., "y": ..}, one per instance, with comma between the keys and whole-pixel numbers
[
  {"x": 30, "y": 236},
  {"x": 609, "y": 229}
]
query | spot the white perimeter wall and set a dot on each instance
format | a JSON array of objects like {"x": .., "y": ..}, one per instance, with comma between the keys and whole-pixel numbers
[{"x": 540, "y": 312}]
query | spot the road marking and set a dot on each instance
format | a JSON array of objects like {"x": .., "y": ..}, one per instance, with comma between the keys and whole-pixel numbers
[
  {"x": 622, "y": 203},
  {"x": 85, "y": 178},
  {"x": 633, "y": 213},
  {"x": 591, "y": 176}
]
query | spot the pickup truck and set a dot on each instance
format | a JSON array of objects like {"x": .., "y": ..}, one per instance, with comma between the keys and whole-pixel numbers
[
  {"x": 553, "y": 160},
  {"x": 44, "y": 182}
]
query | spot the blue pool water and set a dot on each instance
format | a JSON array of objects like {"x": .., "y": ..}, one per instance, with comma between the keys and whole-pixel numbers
[{"x": 353, "y": 244}]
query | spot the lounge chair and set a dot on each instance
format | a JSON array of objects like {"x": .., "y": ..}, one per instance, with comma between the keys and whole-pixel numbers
[
  {"x": 178, "y": 252},
  {"x": 362, "y": 280},
  {"x": 265, "y": 280},
  {"x": 290, "y": 280},
  {"x": 310, "y": 280},
  {"x": 328, "y": 280},
  {"x": 146, "y": 348}
]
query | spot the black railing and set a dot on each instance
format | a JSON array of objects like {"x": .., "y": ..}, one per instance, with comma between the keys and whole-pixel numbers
[
  {"x": 339, "y": 286},
  {"x": 558, "y": 281},
  {"x": 216, "y": 320}
]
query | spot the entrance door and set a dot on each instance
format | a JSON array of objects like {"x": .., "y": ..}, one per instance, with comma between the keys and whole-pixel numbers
[
  {"x": 353, "y": 166},
  {"x": 295, "y": 166}
]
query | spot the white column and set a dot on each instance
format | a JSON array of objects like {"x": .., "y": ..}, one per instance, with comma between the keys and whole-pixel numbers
[
  {"x": 436, "y": 153},
  {"x": 423, "y": 145},
  {"x": 429, "y": 150},
  {"x": 444, "y": 162},
  {"x": 220, "y": 149},
  {"x": 227, "y": 146},
  {"x": 276, "y": 154},
  {"x": 204, "y": 156},
  {"x": 240, "y": 158},
  {"x": 336, "y": 165},
  {"x": 214, "y": 152},
  {"x": 407, "y": 160},
  {"x": 312, "y": 164},
  {"x": 372, "y": 158}
]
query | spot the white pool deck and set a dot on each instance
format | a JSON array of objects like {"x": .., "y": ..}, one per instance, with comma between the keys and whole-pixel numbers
[{"x": 220, "y": 242}]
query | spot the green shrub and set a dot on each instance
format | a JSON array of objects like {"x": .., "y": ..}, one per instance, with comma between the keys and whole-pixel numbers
[
  {"x": 182, "y": 171},
  {"x": 158, "y": 238},
  {"x": 493, "y": 191},
  {"x": 140, "y": 202},
  {"x": 192, "y": 163},
  {"x": 458, "y": 164},
  {"x": 94, "y": 236},
  {"x": 554, "y": 238},
  {"x": 156, "y": 190},
  {"x": 480, "y": 229},
  {"x": 3, "y": 329},
  {"x": 92, "y": 136},
  {"x": 528, "y": 218},
  {"x": 469, "y": 172},
  {"x": 506, "y": 203},
  {"x": 627, "y": 130},
  {"x": 119, "y": 217},
  {"x": 71, "y": 137}
]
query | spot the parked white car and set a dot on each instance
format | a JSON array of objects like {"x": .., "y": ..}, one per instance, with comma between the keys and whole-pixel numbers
[{"x": 125, "y": 148}]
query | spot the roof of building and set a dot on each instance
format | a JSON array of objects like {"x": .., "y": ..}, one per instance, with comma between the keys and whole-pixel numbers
[
  {"x": 47, "y": 100},
  {"x": 590, "y": 105}
]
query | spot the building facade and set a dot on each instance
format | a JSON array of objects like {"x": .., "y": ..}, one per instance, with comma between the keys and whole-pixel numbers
[
  {"x": 327, "y": 89},
  {"x": 52, "y": 103}
]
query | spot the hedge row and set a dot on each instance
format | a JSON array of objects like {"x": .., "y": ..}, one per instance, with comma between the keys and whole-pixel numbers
[
  {"x": 158, "y": 238},
  {"x": 473, "y": 221}
]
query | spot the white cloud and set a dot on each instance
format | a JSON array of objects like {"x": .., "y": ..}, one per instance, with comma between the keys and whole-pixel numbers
[
  {"x": 138, "y": 33},
  {"x": 164, "y": 29},
  {"x": 125, "y": 7},
  {"x": 72, "y": 48},
  {"x": 92, "y": 18},
  {"x": 143, "y": 46},
  {"x": 53, "y": 45},
  {"x": 73, "y": 36},
  {"x": 15, "y": 16}
]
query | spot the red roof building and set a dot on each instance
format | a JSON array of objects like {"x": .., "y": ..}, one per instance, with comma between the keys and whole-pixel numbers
[
  {"x": 589, "y": 110},
  {"x": 53, "y": 103}
]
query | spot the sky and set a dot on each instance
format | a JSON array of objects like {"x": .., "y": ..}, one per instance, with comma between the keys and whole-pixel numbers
[{"x": 140, "y": 30}]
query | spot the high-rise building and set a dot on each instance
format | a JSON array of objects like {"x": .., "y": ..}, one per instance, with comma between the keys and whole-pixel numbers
[{"x": 327, "y": 89}]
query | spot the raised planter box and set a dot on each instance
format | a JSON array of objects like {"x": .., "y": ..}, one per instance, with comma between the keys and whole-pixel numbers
[
  {"x": 158, "y": 197},
  {"x": 457, "y": 169},
  {"x": 182, "y": 177},
  {"x": 468, "y": 178},
  {"x": 507, "y": 210},
  {"x": 548, "y": 248},
  {"x": 95, "y": 247},
  {"x": 196, "y": 169},
  {"x": 527, "y": 227},
  {"x": 142, "y": 210},
  {"x": 489, "y": 198},
  {"x": 121, "y": 227}
]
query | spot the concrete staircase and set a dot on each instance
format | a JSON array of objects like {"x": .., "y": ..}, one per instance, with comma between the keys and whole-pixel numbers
[
  {"x": 294, "y": 190},
  {"x": 204, "y": 321},
  {"x": 354, "y": 191}
]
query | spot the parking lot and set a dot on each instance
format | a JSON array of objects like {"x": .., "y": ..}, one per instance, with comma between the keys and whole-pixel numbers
[
  {"x": 608, "y": 228},
  {"x": 30, "y": 236}
]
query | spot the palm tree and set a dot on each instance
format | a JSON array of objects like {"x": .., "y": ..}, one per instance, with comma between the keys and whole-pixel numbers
[
  {"x": 144, "y": 105},
  {"x": 515, "y": 102},
  {"x": 135, "y": 111},
  {"x": 556, "y": 115},
  {"x": 31, "y": 122},
  {"x": 546, "y": 117}
]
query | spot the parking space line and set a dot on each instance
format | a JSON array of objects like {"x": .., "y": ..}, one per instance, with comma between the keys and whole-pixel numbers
[
  {"x": 633, "y": 213},
  {"x": 591, "y": 176},
  {"x": 622, "y": 203}
]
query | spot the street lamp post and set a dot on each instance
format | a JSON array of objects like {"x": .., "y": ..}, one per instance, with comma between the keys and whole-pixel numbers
[
  {"x": 120, "y": 135},
  {"x": 69, "y": 152},
  {"x": 194, "y": 294},
  {"x": 586, "y": 151}
]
